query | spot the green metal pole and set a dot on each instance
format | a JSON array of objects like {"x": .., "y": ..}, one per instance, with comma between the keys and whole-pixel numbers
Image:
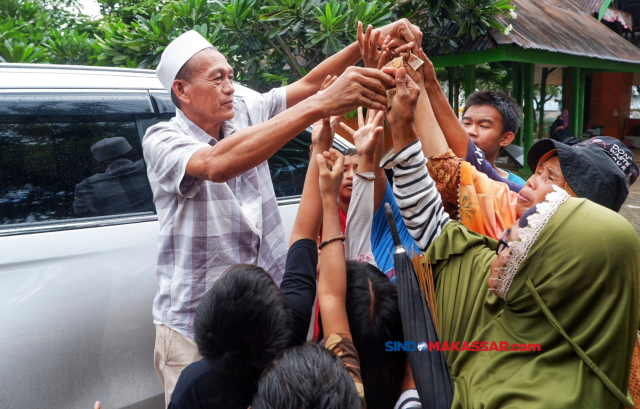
[
  {"x": 451, "y": 77},
  {"x": 565, "y": 88},
  {"x": 517, "y": 95},
  {"x": 581, "y": 108},
  {"x": 574, "y": 103},
  {"x": 469, "y": 80},
  {"x": 529, "y": 113}
]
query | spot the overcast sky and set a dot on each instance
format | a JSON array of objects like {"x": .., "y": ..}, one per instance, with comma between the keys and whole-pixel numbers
[{"x": 90, "y": 7}]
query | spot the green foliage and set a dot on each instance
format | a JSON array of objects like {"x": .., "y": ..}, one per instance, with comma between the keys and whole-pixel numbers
[
  {"x": 49, "y": 31},
  {"x": 268, "y": 42}
]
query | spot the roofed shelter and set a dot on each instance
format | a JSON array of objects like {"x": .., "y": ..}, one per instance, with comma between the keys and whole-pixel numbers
[{"x": 560, "y": 37}]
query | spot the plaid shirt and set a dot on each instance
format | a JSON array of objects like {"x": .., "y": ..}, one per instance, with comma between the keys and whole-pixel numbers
[{"x": 205, "y": 227}]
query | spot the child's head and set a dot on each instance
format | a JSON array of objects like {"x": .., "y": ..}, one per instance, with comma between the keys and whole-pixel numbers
[
  {"x": 374, "y": 319},
  {"x": 242, "y": 322},
  {"x": 491, "y": 119},
  {"x": 306, "y": 377}
]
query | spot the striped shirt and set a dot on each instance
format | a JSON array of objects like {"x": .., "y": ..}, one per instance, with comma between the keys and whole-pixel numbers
[
  {"x": 409, "y": 400},
  {"x": 418, "y": 199},
  {"x": 206, "y": 227}
]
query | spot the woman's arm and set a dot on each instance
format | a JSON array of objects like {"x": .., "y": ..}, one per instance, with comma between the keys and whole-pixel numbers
[
  {"x": 360, "y": 215},
  {"x": 332, "y": 279},
  {"x": 309, "y": 214}
]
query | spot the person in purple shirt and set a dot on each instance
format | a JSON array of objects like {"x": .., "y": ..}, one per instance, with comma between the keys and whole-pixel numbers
[
  {"x": 490, "y": 122},
  {"x": 491, "y": 119}
]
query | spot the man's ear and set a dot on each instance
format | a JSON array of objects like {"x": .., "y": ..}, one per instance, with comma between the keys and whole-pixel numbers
[
  {"x": 507, "y": 138},
  {"x": 179, "y": 88}
]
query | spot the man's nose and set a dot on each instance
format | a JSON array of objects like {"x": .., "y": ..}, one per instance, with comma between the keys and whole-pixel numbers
[
  {"x": 472, "y": 130},
  {"x": 228, "y": 87}
]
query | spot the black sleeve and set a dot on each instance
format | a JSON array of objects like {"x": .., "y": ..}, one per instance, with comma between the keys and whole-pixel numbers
[{"x": 299, "y": 286}]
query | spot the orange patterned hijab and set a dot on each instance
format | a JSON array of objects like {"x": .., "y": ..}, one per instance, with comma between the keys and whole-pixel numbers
[{"x": 485, "y": 206}]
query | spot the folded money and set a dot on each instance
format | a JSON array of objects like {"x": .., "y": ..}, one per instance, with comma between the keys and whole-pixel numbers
[{"x": 414, "y": 62}]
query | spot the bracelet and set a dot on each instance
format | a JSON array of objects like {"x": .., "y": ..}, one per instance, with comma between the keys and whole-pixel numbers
[
  {"x": 369, "y": 178},
  {"x": 331, "y": 240}
]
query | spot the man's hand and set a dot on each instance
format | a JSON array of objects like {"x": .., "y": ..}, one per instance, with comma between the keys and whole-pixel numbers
[
  {"x": 355, "y": 87},
  {"x": 428, "y": 72},
  {"x": 325, "y": 129},
  {"x": 366, "y": 137},
  {"x": 402, "y": 112},
  {"x": 331, "y": 166},
  {"x": 401, "y": 116},
  {"x": 402, "y": 32}
]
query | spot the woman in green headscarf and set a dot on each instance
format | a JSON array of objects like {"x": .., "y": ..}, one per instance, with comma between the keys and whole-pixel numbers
[{"x": 566, "y": 278}]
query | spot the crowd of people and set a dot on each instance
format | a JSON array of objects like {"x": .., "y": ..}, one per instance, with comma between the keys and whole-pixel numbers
[{"x": 243, "y": 320}]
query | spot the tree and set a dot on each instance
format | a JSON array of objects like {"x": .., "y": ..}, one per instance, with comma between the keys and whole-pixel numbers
[
  {"x": 50, "y": 31},
  {"x": 542, "y": 95},
  {"x": 268, "y": 42}
]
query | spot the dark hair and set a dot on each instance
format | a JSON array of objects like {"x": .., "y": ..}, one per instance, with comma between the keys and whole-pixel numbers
[
  {"x": 374, "y": 318},
  {"x": 507, "y": 106},
  {"x": 185, "y": 74},
  {"x": 306, "y": 377},
  {"x": 350, "y": 152},
  {"x": 242, "y": 322}
]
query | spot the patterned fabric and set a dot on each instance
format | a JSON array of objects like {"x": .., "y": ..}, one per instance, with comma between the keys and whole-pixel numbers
[
  {"x": 485, "y": 206},
  {"x": 415, "y": 191},
  {"x": 342, "y": 345},
  {"x": 527, "y": 236},
  {"x": 634, "y": 375},
  {"x": 206, "y": 227},
  {"x": 445, "y": 170},
  {"x": 122, "y": 188}
]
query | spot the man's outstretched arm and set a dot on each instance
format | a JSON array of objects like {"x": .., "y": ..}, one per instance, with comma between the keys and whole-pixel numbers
[
  {"x": 400, "y": 31},
  {"x": 251, "y": 146}
]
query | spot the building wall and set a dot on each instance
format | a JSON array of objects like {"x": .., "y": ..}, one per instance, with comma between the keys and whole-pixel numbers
[{"x": 610, "y": 102}]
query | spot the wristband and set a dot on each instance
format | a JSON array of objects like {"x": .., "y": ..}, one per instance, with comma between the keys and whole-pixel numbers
[
  {"x": 369, "y": 178},
  {"x": 331, "y": 240}
]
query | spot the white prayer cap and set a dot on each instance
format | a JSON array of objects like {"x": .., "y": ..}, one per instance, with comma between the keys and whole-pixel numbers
[
  {"x": 110, "y": 148},
  {"x": 177, "y": 53}
]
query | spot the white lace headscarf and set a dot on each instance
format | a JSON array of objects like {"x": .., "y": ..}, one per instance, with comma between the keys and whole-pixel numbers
[{"x": 519, "y": 249}]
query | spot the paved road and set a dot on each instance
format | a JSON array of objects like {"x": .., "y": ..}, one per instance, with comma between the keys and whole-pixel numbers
[{"x": 631, "y": 208}]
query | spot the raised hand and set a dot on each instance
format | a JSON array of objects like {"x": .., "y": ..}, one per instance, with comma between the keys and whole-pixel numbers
[
  {"x": 324, "y": 129},
  {"x": 429, "y": 73},
  {"x": 401, "y": 116},
  {"x": 366, "y": 137},
  {"x": 355, "y": 87},
  {"x": 368, "y": 44},
  {"x": 402, "y": 32},
  {"x": 331, "y": 166},
  {"x": 323, "y": 133}
]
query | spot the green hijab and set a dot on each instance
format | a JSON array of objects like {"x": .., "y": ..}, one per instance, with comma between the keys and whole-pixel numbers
[{"x": 575, "y": 294}]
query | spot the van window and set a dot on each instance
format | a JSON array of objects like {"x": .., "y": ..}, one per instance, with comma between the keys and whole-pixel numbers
[
  {"x": 58, "y": 168},
  {"x": 289, "y": 166}
]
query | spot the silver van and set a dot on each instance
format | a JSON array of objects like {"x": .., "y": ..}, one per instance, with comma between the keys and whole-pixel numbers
[{"x": 76, "y": 287}]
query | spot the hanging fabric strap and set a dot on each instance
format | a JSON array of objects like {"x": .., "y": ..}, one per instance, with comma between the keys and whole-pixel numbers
[{"x": 624, "y": 399}]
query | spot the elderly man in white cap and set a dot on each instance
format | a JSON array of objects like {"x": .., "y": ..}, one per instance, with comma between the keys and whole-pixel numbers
[
  {"x": 119, "y": 187},
  {"x": 210, "y": 179}
]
